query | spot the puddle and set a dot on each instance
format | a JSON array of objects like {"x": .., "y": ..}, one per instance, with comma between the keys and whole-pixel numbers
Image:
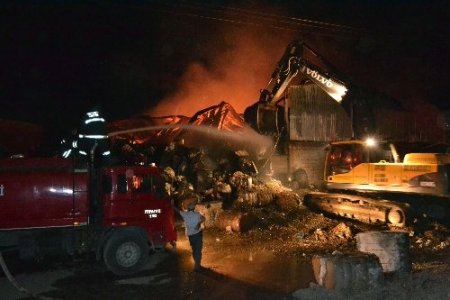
[{"x": 266, "y": 269}]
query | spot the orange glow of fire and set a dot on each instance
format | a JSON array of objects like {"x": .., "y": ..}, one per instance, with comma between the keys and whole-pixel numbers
[{"x": 234, "y": 76}]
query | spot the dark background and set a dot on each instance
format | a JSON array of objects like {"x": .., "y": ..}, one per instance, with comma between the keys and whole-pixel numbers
[{"x": 59, "y": 59}]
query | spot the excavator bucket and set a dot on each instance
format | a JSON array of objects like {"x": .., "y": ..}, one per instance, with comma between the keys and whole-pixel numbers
[{"x": 265, "y": 118}]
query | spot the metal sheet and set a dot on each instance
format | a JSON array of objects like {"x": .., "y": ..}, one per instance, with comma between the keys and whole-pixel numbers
[{"x": 315, "y": 116}]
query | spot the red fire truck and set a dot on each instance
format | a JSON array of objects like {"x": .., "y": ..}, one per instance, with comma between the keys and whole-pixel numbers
[{"x": 65, "y": 206}]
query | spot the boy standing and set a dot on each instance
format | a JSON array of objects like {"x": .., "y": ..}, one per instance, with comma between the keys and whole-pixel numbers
[{"x": 193, "y": 221}]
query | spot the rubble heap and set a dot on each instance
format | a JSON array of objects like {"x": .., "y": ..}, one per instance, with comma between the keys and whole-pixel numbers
[{"x": 212, "y": 156}]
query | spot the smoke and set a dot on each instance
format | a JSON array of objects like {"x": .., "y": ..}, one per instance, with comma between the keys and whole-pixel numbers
[{"x": 238, "y": 63}]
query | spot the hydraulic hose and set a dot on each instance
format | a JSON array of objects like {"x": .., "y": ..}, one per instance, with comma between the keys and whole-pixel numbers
[{"x": 15, "y": 284}]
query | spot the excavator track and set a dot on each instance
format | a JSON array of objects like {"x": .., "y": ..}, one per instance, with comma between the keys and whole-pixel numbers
[{"x": 363, "y": 209}]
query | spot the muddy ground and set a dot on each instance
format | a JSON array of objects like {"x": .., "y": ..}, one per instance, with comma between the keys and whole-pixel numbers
[{"x": 270, "y": 261}]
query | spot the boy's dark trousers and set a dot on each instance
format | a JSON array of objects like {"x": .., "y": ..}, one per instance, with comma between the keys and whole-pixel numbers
[{"x": 196, "y": 242}]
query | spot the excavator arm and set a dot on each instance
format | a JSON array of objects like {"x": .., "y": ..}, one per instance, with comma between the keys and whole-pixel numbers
[
  {"x": 291, "y": 63},
  {"x": 266, "y": 116}
]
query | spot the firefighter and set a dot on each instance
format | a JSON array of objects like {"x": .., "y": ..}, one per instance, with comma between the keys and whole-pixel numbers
[{"x": 93, "y": 138}]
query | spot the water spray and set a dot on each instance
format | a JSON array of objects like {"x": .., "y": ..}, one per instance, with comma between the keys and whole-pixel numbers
[{"x": 245, "y": 137}]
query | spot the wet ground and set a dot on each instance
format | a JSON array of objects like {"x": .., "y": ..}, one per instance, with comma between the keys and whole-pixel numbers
[
  {"x": 232, "y": 270},
  {"x": 271, "y": 261}
]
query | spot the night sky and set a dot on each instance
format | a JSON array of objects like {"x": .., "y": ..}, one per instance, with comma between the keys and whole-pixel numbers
[{"x": 176, "y": 57}]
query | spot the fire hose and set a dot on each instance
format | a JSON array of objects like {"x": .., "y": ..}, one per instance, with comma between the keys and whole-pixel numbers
[{"x": 16, "y": 284}]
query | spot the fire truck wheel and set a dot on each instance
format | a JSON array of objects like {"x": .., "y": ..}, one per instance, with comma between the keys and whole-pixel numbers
[{"x": 125, "y": 253}]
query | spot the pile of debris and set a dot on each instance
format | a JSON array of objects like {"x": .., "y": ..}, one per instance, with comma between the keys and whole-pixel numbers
[
  {"x": 229, "y": 201},
  {"x": 434, "y": 238},
  {"x": 212, "y": 156}
]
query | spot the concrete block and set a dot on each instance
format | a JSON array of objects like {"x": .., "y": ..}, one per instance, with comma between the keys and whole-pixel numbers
[{"x": 392, "y": 249}]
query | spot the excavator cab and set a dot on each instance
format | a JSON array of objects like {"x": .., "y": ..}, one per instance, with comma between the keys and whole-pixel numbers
[{"x": 343, "y": 157}]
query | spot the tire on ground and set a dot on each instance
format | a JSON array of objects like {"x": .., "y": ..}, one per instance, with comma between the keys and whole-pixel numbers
[{"x": 126, "y": 252}]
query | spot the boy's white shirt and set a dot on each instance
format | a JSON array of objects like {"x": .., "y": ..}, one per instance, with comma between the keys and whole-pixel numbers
[{"x": 193, "y": 221}]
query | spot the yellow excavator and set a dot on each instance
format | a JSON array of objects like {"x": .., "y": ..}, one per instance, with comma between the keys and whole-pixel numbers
[
  {"x": 366, "y": 180},
  {"x": 363, "y": 180}
]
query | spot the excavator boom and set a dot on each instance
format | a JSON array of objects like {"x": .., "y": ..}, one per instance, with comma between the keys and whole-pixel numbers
[
  {"x": 266, "y": 116},
  {"x": 291, "y": 63}
]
